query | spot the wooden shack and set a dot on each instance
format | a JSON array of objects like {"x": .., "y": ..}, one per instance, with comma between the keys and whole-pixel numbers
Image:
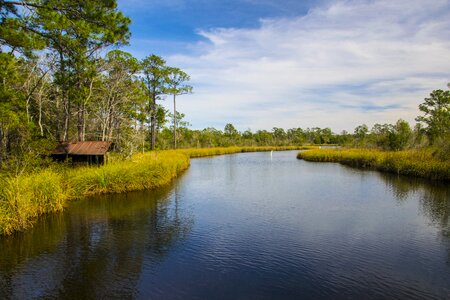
[{"x": 83, "y": 153}]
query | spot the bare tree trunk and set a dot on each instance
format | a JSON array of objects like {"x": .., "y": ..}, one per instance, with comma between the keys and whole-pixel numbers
[
  {"x": 111, "y": 124},
  {"x": 80, "y": 122},
  {"x": 84, "y": 110},
  {"x": 153, "y": 125},
  {"x": 84, "y": 120},
  {"x": 40, "y": 95},
  {"x": 65, "y": 99},
  {"x": 174, "y": 123}
]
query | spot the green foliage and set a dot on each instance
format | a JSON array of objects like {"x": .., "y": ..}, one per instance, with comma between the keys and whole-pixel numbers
[
  {"x": 176, "y": 82},
  {"x": 436, "y": 116},
  {"x": 155, "y": 73},
  {"x": 230, "y": 136},
  {"x": 391, "y": 137}
]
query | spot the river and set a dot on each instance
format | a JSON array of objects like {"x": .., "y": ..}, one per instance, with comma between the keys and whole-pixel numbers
[{"x": 243, "y": 226}]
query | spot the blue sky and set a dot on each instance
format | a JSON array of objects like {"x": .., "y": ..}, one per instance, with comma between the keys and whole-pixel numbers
[{"x": 263, "y": 64}]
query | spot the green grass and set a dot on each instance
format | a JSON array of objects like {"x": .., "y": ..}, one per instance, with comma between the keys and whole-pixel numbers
[
  {"x": 25, "y": 197},
  {"x": 419, "y": 163},
  {"x": 144, "y": 171}
]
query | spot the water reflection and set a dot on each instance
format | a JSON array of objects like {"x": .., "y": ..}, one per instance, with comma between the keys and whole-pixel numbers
[
  {"x": 434, "y": 197},
  {"x": 96, "y": 249}
]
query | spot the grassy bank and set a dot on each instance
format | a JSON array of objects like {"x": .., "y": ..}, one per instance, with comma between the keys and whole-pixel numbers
[
  {"x": 419, "y": 163},
  {"x": 203, "y": 152},
  {"x": 25, "y": 197}
]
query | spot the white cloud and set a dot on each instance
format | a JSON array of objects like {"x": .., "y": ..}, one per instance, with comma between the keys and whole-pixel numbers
[{"x": 341, "y": 65}]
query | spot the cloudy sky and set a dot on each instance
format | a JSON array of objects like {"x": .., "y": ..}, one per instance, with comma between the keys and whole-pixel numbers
[{"x": 290, "y": 63}]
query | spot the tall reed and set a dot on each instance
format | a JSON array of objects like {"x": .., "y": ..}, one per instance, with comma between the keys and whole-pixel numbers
[
  {"x": 25, "y": 197},
  {"x": 144, "y": 171}
]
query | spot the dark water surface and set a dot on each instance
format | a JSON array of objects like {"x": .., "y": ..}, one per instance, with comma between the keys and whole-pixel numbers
[{"x": 244, "y": 226}]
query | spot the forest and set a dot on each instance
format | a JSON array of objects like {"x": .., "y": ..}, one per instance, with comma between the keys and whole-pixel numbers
[{"x": 63, "y": 77}]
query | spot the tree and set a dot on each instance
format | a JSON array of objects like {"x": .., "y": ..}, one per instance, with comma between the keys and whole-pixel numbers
[
  {"x": 155, "y": 73},
  {"x": 263, "y": 137},
  {"x": 17, "y": 32},
  {"x": 12, "y": 106},
  {"x": 279, "y": 136},
  {"x": 400, "y": 135},
  {"x": 436, "y": 116},
  {"x": 361, "y": 133},
  {"x": 176, "y": 79},
  {"x": 75, "y": 31},
  {"x": 230, "y": 130},
  {"x": 296, "y": 135},
  {"x": 231, "y": 135},
  {"x": 118, "y": 94}
]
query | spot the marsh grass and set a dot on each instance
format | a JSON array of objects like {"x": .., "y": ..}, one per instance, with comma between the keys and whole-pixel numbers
[
  {"x": 203, "y": 152},
  {"x": 144, "y": 171},
  {"x": 23, "y": 198},
  {"x": 420, "y": 163}
]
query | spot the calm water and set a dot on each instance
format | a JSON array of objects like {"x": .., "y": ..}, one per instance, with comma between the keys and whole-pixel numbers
[{"x": 244, "y": 226}]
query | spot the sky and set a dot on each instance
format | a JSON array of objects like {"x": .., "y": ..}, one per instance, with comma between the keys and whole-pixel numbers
[{"x": 260, "y": 64}]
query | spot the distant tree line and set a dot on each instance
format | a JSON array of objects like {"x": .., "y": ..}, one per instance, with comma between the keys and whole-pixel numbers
[{"x": 432, "y": 129}]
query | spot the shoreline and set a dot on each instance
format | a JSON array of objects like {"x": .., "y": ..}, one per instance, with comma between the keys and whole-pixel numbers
[{"x": 416, "y": 163}]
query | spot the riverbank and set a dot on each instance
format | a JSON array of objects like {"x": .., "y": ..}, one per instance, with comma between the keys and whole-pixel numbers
[
  {"x": 203, "y": 152},
  {"x": 25, "y": 197},
  {"x": 419, "y": 163}
]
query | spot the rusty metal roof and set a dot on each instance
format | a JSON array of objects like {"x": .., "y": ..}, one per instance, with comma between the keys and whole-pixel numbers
[{"x": 83, "y": 148}]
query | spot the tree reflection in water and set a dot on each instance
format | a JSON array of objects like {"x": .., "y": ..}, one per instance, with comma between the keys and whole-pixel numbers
[
  {"x": 434, "y": 200},
  {"x": 96, "y": 249}
]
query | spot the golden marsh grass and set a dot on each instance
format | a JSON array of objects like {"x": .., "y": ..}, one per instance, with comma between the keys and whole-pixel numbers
[{"x": 419, "y": 163}]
